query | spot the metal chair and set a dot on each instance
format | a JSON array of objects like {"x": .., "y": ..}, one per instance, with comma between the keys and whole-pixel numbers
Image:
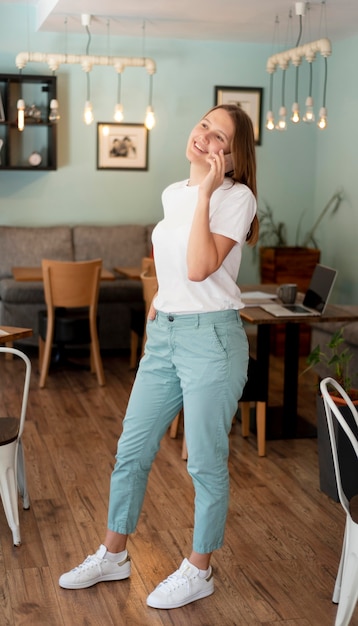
[
  {"x": 344, "y": 419},
  {"x": 71, "y": 285},
  {"x": 12, "y": 463}
]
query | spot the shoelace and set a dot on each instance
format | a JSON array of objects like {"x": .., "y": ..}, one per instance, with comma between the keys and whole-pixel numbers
[
  {"x": 91, "y": 559},
  {"x": 175, "y": 580}
]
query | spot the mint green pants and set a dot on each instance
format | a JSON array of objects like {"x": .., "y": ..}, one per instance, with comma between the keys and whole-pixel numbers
[{"x": 198, "y": 362}]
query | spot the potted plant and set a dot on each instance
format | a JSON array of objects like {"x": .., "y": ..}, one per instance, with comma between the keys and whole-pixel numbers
[
  {"x": 336, "y": 359},
  {"x": 284, "y": 263}
]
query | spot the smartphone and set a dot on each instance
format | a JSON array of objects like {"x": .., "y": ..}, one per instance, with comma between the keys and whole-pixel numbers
[{"x": 229, "y": 166}]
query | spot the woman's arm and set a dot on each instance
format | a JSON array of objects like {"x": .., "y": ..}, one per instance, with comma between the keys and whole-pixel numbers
[{"x": 206, "y": 250}]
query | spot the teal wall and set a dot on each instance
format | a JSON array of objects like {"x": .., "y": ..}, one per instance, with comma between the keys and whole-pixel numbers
[{"x": 297, "y": 170}]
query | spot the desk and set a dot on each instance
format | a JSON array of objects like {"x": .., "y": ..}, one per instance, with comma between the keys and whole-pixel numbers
[
  {"x": 13, "y": 333},
  {"x": 285, "y": 419},
  {"x": 27, "y": 274},
  {"x": 129, "y": 272}
]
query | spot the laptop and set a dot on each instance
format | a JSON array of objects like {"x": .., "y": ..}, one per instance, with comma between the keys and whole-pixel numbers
[{"x": 316, "y": 296}]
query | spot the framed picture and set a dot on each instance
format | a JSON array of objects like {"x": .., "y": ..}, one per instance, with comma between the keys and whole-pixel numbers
[
  {"x": 122, "y": 146},
  {"x": 248, "y": 98}
]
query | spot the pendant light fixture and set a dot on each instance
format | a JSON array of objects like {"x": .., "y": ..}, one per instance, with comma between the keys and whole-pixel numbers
[
  {"x": 87, "y": 61},
  {"x": 118, "y": 109},
  {"x": 282, "y": 123},
  {"x": 295, "y": 56},
  {"x": 88, "y": 111},
  {"x": 21, "y": 114},
  {"x": 309, "y": 116},
  {"x": 270, "y": 121},
  {"x": 54, "y": 115},
  {"x": 322, "y": 122},
  {"x": 150, "y": 118}
]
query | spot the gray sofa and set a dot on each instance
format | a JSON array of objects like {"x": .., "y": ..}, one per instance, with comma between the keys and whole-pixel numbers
[
  {"x": 322, "y": 333},
  {"x": 123, "y": 245}
]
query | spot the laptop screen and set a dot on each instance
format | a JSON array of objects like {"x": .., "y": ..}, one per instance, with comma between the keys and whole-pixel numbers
[{"x": 320, "y": 288}]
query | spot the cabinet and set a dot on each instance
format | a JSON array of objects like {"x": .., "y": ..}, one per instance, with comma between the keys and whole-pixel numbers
[{"x": 39, "y": 136}]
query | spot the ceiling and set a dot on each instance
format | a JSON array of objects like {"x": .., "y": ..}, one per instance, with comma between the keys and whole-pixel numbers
[{"x": 222, "y": 20}]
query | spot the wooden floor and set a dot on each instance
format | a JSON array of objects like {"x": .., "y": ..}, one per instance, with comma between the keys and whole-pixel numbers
[{"x": 283, "y": 538}]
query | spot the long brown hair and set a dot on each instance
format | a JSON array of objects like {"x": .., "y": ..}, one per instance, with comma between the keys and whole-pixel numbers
[{"x": 243, "y": 157}]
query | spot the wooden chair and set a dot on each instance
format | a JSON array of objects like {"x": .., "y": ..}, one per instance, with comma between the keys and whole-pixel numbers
[
  {"x": 150, "y": 287},
  {"x": 253, "y": 393},
  {"x": 12, "y": 462},
  {"x": 72, "y": 285},
  {"x": 137, "y": 313}
]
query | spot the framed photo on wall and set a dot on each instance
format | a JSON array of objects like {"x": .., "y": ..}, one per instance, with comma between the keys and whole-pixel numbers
[
  {"x": 122, "y": 146},
  {"x": 248, "y": 98}
]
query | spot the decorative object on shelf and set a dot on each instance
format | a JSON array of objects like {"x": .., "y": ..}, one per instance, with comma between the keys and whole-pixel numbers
[
  {"x": 87, "y": 61},
  {"x": 35, "y": 159},
  {"x": 295, "y": 55},
  {"x": 248, "y": 98},
  {"x": 122, "y": 146},
  {"x": 33, "y": 113}
]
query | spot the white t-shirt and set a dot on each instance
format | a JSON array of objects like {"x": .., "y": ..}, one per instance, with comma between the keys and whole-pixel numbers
[{"x": 232, "y": 209}]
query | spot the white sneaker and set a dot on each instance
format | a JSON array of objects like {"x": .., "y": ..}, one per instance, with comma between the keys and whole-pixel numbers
[
  {"x": 182, "y": 587},
  {"x": 95, "y": 569}
]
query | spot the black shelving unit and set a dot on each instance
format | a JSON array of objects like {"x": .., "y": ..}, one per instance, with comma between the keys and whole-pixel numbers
[{"x": 39, "y": 135}]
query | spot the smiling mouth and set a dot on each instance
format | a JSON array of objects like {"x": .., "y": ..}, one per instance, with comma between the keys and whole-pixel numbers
[{"x": 200, "y": 148}]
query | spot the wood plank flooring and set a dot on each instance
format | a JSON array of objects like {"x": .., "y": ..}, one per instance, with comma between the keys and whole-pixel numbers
[{"x": 283, "y": 538}]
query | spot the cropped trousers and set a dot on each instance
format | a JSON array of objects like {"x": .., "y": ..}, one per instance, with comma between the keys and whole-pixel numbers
[{"x": 198, "y": 362}]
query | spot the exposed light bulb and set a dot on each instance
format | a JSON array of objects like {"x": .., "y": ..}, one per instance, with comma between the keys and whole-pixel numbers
[
  {"x": 88, "y": 113},
  {"x": 322, "y": 122},
  {"x": 21, "y": 114},
  {"x": 309, "y": 114},
  {"x": 149, "y": 118},
  {"x": 295, "y": 117},
  {"x": 118, "y": 112},
  {"x": 54, "y": 115},
  {"x": 270, "y": 122},
  {"x": 282, "y": 124}
]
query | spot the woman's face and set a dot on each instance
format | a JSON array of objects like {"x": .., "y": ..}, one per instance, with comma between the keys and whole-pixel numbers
[{"x": 212, "y": 134}]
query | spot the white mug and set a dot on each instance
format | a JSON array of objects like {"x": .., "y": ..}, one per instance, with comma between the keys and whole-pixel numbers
[{"x": 287, "y": 293}]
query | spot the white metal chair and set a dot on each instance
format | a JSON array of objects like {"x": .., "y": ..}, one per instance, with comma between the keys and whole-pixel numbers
[
  {"x": 12, "y": 463},
  {"x": 345, "y": 592}
]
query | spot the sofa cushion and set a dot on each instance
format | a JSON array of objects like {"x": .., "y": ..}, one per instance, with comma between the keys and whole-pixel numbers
[
  {"x": 124, "y": 244},
  {"x": 25, "y": 292},
  {"x": 29, "y": 245}
]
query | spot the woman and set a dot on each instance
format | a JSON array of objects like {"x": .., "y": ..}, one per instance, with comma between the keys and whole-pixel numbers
[{"x": 196, "y": 354}]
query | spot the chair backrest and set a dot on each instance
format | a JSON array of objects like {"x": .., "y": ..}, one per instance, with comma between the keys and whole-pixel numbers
[
  {"x": 149, "y": 283},
  {"x": 19, "y": 427},
  {"x": 333, "y": 412},
  {"x": 71, "y": 283}
]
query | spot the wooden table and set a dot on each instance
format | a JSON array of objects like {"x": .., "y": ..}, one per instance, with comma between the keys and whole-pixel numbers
[
  {"x": 25, "y": 274},
  {"x": 8, "y": 334},
  {"x": 285, "y": 420},
  {"x": 129, "y": 272}
]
